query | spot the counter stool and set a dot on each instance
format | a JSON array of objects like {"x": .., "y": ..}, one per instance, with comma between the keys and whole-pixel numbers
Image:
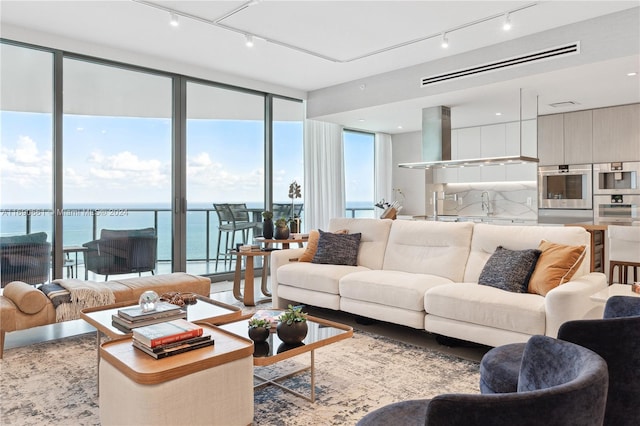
[{"x": 624, "y": 252}]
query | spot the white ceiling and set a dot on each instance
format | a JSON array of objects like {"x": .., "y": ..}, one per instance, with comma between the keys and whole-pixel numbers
[{"x": 308, "y": 46}]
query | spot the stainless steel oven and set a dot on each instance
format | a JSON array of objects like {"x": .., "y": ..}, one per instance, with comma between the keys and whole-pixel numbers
[
  {"x": 616, "y": 208},
  {"x": 616, "y": 178},
  {"x": 567, "y": 186}
]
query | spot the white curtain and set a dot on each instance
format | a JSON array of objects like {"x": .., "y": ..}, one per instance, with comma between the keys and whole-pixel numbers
[
  {"x": 324, "y": 174},
  {"x": 383, "y": 169}
]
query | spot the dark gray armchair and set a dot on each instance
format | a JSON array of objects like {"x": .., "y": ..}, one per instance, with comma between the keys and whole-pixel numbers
[
  {"x": 616, "y": 338},
  {"x": 560, "y": 383},
  {"x": 25, "y": 258},
  {"x": 122, "y": 252}
]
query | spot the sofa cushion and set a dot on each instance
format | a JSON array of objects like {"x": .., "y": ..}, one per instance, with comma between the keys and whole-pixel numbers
[
  {"x": 435, "y": 248},
  {"x": 556, "y": 265},
  {"x": 487, "y": 237},
  {"x": 373, "y": 242},
  {"x": 391, "y": 288},
  {"x": 314, "y": 276},
  {"x": 27, "y": 298},
  {"x": 488, "y": 306},
  {"x": 509, "y": 269},
  {"x": 312, "y": 244},
  {"x": 107, "y": 234},
  {"x": 337, "y": 249}
]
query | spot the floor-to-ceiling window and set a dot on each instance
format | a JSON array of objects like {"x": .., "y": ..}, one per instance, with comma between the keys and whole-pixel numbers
[
  {"x": 116, "y": 154},
  {"x": 288, "y": 165},
  {"x": 26, "y": 156},
  {"x": 359, "y": 173},
  {"x": 225, "y": 166}
]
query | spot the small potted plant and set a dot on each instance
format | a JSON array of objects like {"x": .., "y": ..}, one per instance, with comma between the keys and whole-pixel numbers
[
  {"x": 267, "y": 224},
  {"x": 259, "y": 329},
  {"x": 292, "y": 328},
  {"x": 282, "y": 229}
]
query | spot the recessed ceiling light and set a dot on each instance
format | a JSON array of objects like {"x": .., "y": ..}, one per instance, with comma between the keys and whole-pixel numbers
[
  {"x": 631, "y": 74},
  {"x": 498, "y": 113},
  {"x": 361, "y": 120},
  {"x": 174, "y": 20},
  {"x": 400, "y": 127},
  {"x": 445, "y": 41},
  {"x": 249, "y": 40},
  {"x": 507, "y": 22}
]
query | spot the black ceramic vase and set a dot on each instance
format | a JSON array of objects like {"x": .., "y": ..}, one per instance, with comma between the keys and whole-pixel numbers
[
  {"x": 258, "y": 334},
  {"x": 267, "y": 228},
  {"x": 292, "y": 334},
  {"x": 282, "y": 233}
]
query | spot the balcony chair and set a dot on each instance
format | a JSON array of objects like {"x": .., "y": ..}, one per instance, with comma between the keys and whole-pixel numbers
[
  {"x": 560, "y": 383},
  {"x": 232, "y": 218},
  {"x": 616, "y": 338},
  {"x": 624, "y": 252},
  {"x": 284, "y": 210},
  {"x": 121, "y": 252},
  {"x": 25, "y": 258}
]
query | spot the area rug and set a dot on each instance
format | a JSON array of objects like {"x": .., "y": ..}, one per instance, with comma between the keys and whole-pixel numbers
[{"x": 54, "y": 382}]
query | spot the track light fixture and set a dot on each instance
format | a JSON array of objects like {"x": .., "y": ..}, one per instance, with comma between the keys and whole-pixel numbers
[
  {"x": 507, "y": 22},
  {"x": 445, "y": 41},
  {"x": 249, "y": 40},
  {"x": 174, "y": 20}
]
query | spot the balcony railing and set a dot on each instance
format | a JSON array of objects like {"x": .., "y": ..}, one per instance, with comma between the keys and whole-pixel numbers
[{"x": 82, "y": 225}]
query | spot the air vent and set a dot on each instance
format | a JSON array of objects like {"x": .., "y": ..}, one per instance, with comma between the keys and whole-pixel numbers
[
  {"x": 555, "y": 52},
  {"x": 564, "y": 104}
]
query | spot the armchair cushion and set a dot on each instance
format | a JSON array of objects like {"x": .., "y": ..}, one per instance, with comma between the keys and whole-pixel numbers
[{"x": 27, "y": 298}]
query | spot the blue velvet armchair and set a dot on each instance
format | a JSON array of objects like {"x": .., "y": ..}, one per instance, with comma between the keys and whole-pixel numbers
[{"x": 559, "y": 384}]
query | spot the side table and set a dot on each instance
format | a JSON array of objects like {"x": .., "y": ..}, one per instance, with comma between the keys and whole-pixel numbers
[
  {"x": 248, "y": 297},
  {"x": 613, "y": 290},
  {"x": 207, "y": 386}
]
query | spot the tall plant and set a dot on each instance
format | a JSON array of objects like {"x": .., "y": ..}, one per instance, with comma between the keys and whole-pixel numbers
[{"x": 294, "y": 192}]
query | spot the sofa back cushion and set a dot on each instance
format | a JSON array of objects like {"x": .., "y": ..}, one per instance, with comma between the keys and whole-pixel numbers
[
  {"x": 487, "y": 237},
  {"x": 373, "y": 239},
  {"x": 437, "y": 248}
]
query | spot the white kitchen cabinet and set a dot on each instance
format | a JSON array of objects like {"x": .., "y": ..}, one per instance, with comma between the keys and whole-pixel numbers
[
  {"x": 521, "y": 172},
  {"x": 469, "y": 174},
  {"x": 616, "y": 134},
  {"x": 446, "y": 175},
  {"x": 529, "y": 135},
  {"x": 469, "y": 143},
  {"x": 492, "y": 141},
  {"x": 492, "y": 173}
]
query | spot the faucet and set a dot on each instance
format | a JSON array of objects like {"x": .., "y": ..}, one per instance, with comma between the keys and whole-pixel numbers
[{"x": 486, "y": 204}]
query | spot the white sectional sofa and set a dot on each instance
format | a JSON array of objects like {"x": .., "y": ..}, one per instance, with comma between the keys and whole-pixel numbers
[{"x": 424, "y": 275}]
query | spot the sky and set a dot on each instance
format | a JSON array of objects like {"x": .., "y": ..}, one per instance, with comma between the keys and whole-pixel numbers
[{"x": 125, "y": 159}]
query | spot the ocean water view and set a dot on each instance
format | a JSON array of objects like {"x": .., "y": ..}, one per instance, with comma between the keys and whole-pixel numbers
[{"x": 78, "y": 223}]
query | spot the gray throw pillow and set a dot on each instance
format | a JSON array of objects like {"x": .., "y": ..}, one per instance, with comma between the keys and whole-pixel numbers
[
  {"x": 337, "y": 249},
  {"x": 509, "y": 269}
]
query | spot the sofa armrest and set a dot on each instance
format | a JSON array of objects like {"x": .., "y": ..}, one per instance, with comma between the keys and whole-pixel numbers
[
  {"x": 572, "y": 301},
  {"x": 26, "y": 298},
  {"x": 279, "y": 258}
]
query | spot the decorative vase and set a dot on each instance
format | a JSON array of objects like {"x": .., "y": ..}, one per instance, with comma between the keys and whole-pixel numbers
[
  {"x": 267, "y": 228},
  {"x": 258, "y": 334},
  {"x": 293, "y": 224},
  {"x": 293, "y": 333},
  {"x": 282, "y": 233}
]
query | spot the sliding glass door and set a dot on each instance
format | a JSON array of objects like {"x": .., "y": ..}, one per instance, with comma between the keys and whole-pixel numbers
[
  {"x": 225, "y": 148},
  {"x": 117, "y": 164}
]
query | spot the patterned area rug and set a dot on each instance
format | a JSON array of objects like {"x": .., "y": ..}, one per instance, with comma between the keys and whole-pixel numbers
[{"x": 54, "y": 382}]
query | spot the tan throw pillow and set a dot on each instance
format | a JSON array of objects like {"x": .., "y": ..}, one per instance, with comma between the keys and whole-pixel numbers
[
  {"x": 556, "y": 265},
  {"x": 312, "y": 244}
]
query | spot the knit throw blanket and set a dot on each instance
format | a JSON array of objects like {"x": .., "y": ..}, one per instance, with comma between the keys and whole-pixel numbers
[{"x": 84, "y": 294}]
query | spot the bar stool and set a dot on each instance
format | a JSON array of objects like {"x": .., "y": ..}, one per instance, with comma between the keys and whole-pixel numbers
[{"x": 624, "y": 252}]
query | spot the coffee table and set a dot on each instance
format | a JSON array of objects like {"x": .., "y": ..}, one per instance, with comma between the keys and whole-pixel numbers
[
  {"x": 321, "y": 333},
  {"x": 204, "y": 310}
]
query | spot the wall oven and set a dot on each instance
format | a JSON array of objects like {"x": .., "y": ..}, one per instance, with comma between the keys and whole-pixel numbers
[
  {"x": 616, "y": 208},
  {"x": 567, "y": 186},
  {"x": 616, "y": 178}
]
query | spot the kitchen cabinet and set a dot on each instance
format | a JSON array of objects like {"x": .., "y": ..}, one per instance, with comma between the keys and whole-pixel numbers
[
  {"x": 578, "y": 137},
  {"x": 468, "y": 143},
  {"x": 616, "y": 134},
  {"x": 492, "y": 141},
  {"x": 565, "y": 138}
]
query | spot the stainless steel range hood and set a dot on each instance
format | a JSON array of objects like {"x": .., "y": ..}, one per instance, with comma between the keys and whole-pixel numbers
[{"x": 436, "y": 145}]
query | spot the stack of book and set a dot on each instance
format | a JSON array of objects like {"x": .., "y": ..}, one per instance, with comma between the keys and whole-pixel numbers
[
  {"x": 170, "y": 338},
  {"x": 132, "y": 317}
]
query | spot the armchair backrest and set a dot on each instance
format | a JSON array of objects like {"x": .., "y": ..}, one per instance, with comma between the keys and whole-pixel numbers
[{"x": 562, "y": 383}]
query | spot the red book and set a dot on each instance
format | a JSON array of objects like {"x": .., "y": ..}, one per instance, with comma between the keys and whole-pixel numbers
[{"x": 166, "y": 332}]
